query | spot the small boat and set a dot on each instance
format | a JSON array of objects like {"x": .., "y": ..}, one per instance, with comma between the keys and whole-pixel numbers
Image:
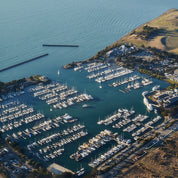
[
  {"x": 155, "y": 111},
  {"x": 85, "y": 106},
  {"x": 156, "y": 87},
  {"x": 80, "y": 172},
  {"x": 58, "y": 72}
]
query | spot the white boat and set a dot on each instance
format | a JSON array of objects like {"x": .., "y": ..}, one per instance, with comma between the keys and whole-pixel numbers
[
  {"x": 145, "y": 93},
  {"x": 58, "y": 72},
  {"x": 148, "y": 105},
  {"x": 100, "y": 121},
  {"x": 80, "y": 172},
  {"x": 85, "y": 106},
  {"x": 129, "y": 86},
  {"x": 155, "y": 111},
  {"x": 157, "y": 87}
]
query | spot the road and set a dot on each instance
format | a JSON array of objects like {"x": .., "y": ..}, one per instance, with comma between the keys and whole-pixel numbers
[{"x": 157, "y": 140}]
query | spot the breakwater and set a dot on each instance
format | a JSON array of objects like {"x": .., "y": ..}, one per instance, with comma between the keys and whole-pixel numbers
[
  {"x": 53, "y": 45},
  {"x": 29, "y": 60}
]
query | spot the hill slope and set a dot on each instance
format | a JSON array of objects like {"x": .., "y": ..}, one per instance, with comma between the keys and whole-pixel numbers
[
  {"x": 161, "y": 32},
  {"x": 160, "y": 162}
]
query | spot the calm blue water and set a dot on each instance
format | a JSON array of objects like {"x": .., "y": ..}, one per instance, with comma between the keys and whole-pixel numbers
[
  {"x": 93, "y": 25},
  {"x": 26, "y": 25}
]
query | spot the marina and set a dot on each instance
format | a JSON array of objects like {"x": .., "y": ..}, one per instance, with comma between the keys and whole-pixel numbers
[
  {"x": 47, "y": 138},
  {"x": 114, "y": 150},
  {"x": 137, "y": 125},
  {"x": 59, "y": 95},
  {"x": 122, "y": 113},
  {"x": 93, "y": 144},
  {"x": 26, "y": 43},
  {"x": 57, "y": 148},
  {"x": 103, "y": 72},
  {"x": 14, "y": 115},
  {"x": 119, "y": 76},
  {"x": 17, "y": 115},
  {"x": 125, "y": 81}
]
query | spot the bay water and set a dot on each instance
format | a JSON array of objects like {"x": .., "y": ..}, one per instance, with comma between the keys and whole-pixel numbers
[{"x": 93, "y": 25}]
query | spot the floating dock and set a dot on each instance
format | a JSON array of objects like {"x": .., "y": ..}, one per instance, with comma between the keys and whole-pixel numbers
[
  {"x": 122, "y": 91},
  {"x": 15, "y": 65},
  {"x": 56, "y": 45}
]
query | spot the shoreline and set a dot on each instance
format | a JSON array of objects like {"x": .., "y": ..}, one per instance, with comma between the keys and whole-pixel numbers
[
  {"x": 20, "y": 84},
  {"x": 140, "y": 58}
]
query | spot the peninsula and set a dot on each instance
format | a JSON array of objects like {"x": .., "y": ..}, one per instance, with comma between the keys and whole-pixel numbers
[
  {"x": 19, "y": 85},
  {"x": 152, "y": 48}
]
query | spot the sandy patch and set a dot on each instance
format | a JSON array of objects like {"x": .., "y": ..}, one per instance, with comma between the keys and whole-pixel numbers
[{"x": 156, "y": 42}]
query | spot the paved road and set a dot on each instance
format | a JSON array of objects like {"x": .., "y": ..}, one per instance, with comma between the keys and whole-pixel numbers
[{"x": 163, "y": 135}]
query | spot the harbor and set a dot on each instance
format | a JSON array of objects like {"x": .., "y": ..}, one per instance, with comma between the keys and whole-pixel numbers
[
  {"x": 115, "y": 76},
  {"x": 59, "y": 95},
  {"x": 98, "y": 105},
  {"x": 47, "y": 134},
  {"x": 93, "y": 145}
]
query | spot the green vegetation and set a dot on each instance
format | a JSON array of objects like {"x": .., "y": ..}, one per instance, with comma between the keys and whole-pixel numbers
[
  {"x": 152, "y": 73},
  {"x": 147, "y": 140},
  {"x": 162, "y": 54},
  {"x": 40, "y": 174},
  {"x": 70, "y": 66},
  {"x": 39, "y": 170},
  {"x": 16, "y": 147},
  {"x": 173, "y": 85},
  {"x": 1, "y": 140},
  {"x": 170, "y": 112},
  {"x": 18, "y": 85},
  {"x": 148, "y": 32},
  {"x": 14, "y": 85},
  {"x": 64, "y": 175}
]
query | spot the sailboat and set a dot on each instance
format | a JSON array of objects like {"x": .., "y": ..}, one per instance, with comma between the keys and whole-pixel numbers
[{"x": 99, "y": 121}]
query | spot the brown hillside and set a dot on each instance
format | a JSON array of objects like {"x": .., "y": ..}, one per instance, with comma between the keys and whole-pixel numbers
[{"x": 164, "y": 34}]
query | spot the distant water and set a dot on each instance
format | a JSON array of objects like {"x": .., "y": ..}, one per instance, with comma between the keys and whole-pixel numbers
[{"x": 93, "y": 25}]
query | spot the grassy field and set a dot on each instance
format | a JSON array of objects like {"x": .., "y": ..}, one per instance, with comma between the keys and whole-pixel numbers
[
  {"x": 165, "y": 39},
  {"x": 160, "y": 162}
]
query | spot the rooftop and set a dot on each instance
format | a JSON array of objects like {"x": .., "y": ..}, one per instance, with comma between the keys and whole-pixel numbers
[{"x": 57, "y": 169}]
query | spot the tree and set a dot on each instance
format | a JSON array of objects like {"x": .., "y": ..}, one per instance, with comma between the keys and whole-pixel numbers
[{"x": 64, "y": 175}]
